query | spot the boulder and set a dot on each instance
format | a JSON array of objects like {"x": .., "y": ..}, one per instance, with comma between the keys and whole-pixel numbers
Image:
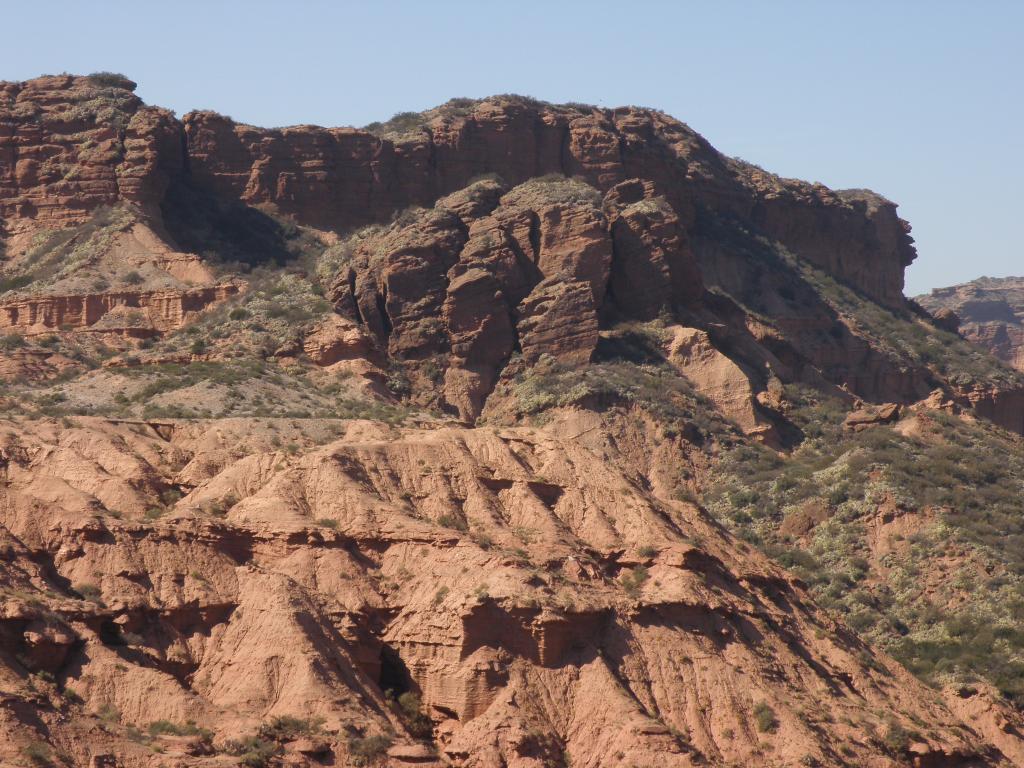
[{"x": 872, "y": 416}]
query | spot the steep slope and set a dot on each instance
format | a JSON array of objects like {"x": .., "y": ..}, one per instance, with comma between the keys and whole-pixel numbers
[
  {"x": 988, "y": 311},
  {"x": 543, "y": 606},
  {"x": 445, "y": 441}
]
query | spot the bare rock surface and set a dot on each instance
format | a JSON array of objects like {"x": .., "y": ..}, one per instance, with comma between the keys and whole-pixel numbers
[{"x": 632, "y": 627}]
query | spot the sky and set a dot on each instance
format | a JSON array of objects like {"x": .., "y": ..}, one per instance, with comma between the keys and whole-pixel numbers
[{"x": 918, "y": 100}]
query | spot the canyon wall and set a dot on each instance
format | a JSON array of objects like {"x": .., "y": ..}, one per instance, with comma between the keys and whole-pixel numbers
[{"x": 71, "y": 144}]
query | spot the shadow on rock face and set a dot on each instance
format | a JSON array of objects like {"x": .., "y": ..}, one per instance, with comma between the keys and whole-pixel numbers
[{"x": 226, "y": 231}]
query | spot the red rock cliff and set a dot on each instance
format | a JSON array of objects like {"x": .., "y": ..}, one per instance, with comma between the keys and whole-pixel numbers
[
  {"x": 339, "y": 178},
  {"x": 71, "y": 144}
]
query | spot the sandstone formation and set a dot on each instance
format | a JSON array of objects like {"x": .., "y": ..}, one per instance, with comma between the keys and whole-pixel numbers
[
  {"x": 631, "y": 629},
  {"x": 71, "y": 144},
  {"x": 718, "y": 378},
  {"x": 989, "y": 311},
  {"x": 158, "y": 310},
  {"x": 865, "y": 418},
  {"x": 388, "y": 446}
]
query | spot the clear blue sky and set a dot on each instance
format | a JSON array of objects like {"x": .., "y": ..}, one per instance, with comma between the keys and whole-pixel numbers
[{"x": 918, "y": 100}]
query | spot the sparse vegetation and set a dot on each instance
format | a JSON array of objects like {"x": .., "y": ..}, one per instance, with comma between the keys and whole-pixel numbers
[
  {"x": 112, "y": 80},
  {"x": 455, "y": 522},
  {"x": 400, "y": 123},
  {"x": 632, "y": 581},
  {"x": 168, "y": 728},
  {"x": 38, "y": 753},
  {"x": 416, "y": 722},
  {"x": 72, "y": 696},
  {"x": 658, "y": 389},
  {"x": 960, "y": 480},
  {"x": 764, "y": 718},
  {"x": 288, "y": 728},
  {"x": 252, "y": 751},
  {"x": 368, "y": 750},
  {"x": 90, "y": 592}
]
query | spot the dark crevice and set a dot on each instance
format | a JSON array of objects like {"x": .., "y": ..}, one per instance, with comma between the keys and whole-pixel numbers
[
  {"x": 394, "y": 675},
  {"x": 352, "y": 292},
  {"x": 382, "y": 310},
  {"x": 535, "y": 237}
]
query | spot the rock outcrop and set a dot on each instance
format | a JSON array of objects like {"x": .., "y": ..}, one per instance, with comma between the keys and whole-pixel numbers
[
  {"x": 718, "y": 378},
  {"x": 155, "y": 311},
  {"x": 989, "y": 311},
  {"x": 341, "y": 178},
  {"x": 394, "y": 559},
  {"x": 71, "y": 144}
]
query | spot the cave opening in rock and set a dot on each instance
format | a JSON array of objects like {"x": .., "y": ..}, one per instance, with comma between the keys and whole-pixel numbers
[
  {"x": 110, "y": 633},
  {"x": 394, "y": 675}
]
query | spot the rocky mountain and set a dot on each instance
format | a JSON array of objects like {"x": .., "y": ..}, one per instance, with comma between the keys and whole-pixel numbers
[
  {"x": 988, "y": 311},
  {"x": 507, "y": 433}
]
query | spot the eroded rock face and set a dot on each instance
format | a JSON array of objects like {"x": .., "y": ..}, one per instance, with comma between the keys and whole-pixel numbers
[
  {"x": 990, "y": 312},
  {"x": 472, "y": 254},
  {"x": 339, "y": 178},
  {"x": 614, "y": 635},
  {"x": 156, "y": 310},
  {"x": 396, "y": 283},
  {"x": 653, "y": 269},
  {"x": 558, "y": 320},
  {"x": 71, "y": 144},
  {"x": 718, "y": 378},
  {"x": 337, "y": 339}
]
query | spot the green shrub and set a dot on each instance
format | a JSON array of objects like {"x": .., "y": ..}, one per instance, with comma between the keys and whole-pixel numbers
[
  {"x": 416, "y": 722},
  {"x": 14, "y": 283},
  {"x": 113, "y": 80},
  {"x": 168, "y": 728},
  {"x": 367, "y": 750},
  {"x": 38, "y": 753},
  {"x": 288, "y": 728},
  {"x": 633, "y": 580},
  {"x": 252, "y": 751},
  {"x": 764, "y": 718},
  {"x": 400, "y": 122},
  {"x": 90, "y": 592},
  {"x": 72, "y": 696},
  {"x": 11, "y": 342},
  {"x": 896, "y": 737},
  {"x": 454, "y": 522}
]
